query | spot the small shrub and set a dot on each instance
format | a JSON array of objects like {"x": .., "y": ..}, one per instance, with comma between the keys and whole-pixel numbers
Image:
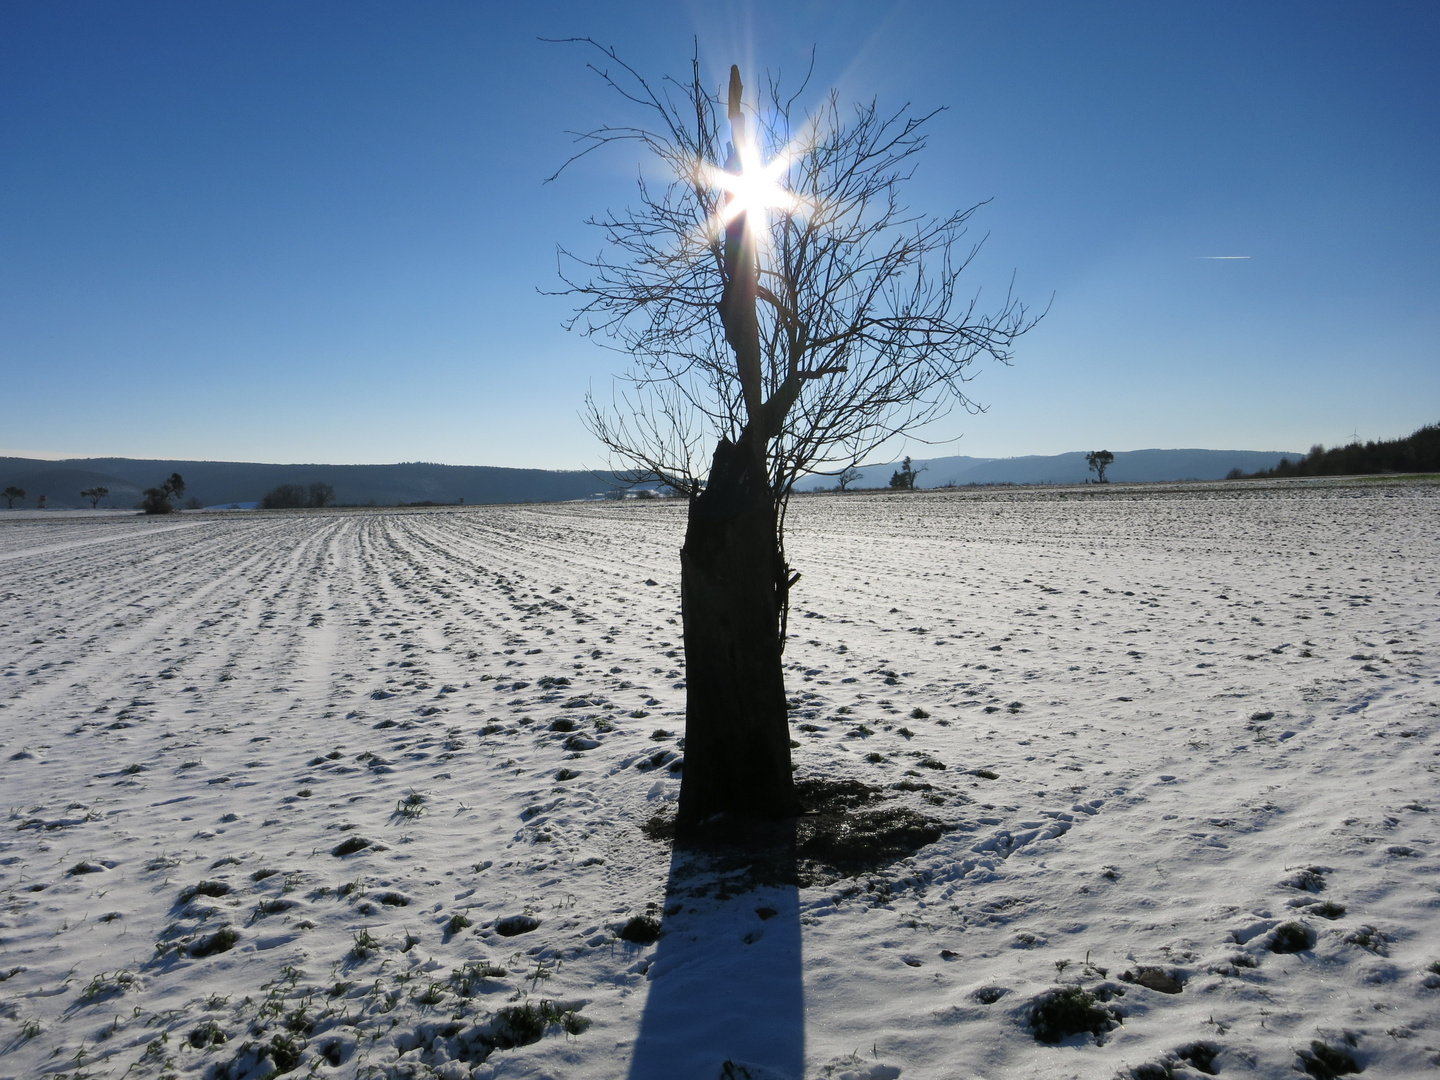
[
  {"x": 1153, "y": 978},
  {"x": 204, "y": 888},
  {"x": 521, "y": 1025},
  {"x": 911, "y": 785},
  {"x": 457, "y": 922},
  {"x": 104, "y": 986},
  {"x": 1201, "y": 1056},
  {"x": 468, "y": 979},
  {"x": 1292, "y": 937},
  {"x": 641, "y": 930},
  {"x": 285, "y": 1052},
  {"x": 270, "y": 907},
  {"x": 1307, "y": 879},
  {"x": 1325, "y": 1062},
  {"x": 1328, "y": 910},
  {"x": 1370, "y": 939},
  {"x": 1154, "y": 1070},
  {"x": 919, "y": 714},
  {"x": 206, "y": 1035},
  {"x": 514, "y": 925},
  {"x": 1069, "y": 1010},
  {"x": 364, "y": 945},
  {"x": 222, "y": 940}
]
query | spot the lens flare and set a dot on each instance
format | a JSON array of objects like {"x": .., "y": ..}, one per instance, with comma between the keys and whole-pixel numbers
[{"x": 755, "y": 187}]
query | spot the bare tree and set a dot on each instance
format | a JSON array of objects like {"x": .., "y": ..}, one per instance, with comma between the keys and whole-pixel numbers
[
  {"x": 1099, "y": 461},
  {"x": 95, "y": 494},
  {"x": 848, "y": 476},
  {"x": 10, "y": 494},
  {"x": 784, "y": 311}
]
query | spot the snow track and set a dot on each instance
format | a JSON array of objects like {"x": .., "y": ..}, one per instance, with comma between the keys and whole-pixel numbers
[{"x": 275, "y": 781}]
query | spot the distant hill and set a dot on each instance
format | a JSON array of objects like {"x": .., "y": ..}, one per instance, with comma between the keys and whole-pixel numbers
[
  {"x": 1136, "y": 466},
  {"x": 221, "y": 483}
]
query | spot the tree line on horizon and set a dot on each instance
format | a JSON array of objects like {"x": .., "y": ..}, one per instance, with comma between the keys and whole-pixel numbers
[
  {"x": 1418, "y": 452},
  {"x": 294, "y": 497}
]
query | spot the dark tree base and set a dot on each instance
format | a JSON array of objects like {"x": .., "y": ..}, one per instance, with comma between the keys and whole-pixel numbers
[{"x": 846, "y": 829}]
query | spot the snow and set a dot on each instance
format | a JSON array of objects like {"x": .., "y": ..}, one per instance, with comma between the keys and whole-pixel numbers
[{"x": 1172, "y": 719}]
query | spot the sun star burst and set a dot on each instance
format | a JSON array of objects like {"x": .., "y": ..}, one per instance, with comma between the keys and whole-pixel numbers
[{"x": 755, "y": 187}]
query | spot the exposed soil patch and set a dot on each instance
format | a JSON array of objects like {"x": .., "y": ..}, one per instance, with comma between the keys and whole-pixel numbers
[
  {"x": 848, "y": 828},
  {"x": 1154, "y": 978},
  {"x": 1071, "y": 1010}
]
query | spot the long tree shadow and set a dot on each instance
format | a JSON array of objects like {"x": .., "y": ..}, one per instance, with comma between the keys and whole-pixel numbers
[{"x": 725, "y": 980}]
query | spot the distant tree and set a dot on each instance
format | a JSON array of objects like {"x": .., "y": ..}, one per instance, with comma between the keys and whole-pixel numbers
[
  {"x": 904, "y": 478},
  {"x": 158, "y": 500},
  {"x": 12, "y": 493},
  {"x": 95, "y": 494},
  {"x": 1418, "y": 452},
  {"x": 295, "y": 497},
  {"x": 193, "y": 503},
  {"x": 285, "y": 497},
  {"x": 1099, "y": 461},
  {"x": 41, "y": 501},
  {"x": 849, "y": 476}
]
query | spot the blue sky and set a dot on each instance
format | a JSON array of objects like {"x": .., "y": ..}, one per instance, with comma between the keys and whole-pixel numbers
[{"x": 319, "y": 232}]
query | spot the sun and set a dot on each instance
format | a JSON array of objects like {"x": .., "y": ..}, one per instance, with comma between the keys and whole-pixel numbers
[{"x": 756, "y": 187}]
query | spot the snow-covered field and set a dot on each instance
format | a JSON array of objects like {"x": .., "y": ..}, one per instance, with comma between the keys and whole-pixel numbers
[{"x": 1164, "y": 724}]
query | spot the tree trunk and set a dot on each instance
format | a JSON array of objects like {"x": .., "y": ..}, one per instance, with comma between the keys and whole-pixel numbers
[{"x": 732, "y": 583}]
